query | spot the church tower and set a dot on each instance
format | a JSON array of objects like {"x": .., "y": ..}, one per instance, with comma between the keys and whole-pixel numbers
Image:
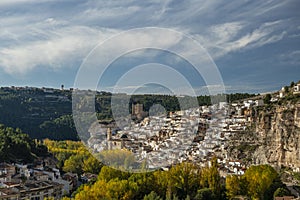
[{"x": 108, "y": 134}]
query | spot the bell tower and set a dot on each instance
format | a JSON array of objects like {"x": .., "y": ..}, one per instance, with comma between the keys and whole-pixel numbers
[{"x": 108, "y": 134}]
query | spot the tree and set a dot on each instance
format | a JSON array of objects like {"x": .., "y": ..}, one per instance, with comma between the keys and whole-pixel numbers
[
  {"x": 97, "y": 191},
  {"x": 184, "y": 179},
  {"x": 162, "y": 183},
  {"x": 74, "y": 164},
  {"x": 292, "y": 84},
  {"x": 118, "y": 158},
  {"x": 214, "y": 177},
  {"x": 259, "y": 180},
  {"x": 92, "y": 165},
  {"x": 233, "y": 187},
  {"x": 152, "y": 196},
  {"x": 280, "y": 192},
  {"x": 267, "y": 99},
  {"x": 277, "y": 183},
  {"x": 286, "y": 89},
  {"x": 15, "y": 145},
  {"x": 62, "y": 128},
  {"x": 121, "y": 189},
  {"x": 146, "y": 183},
  {"x": 204, "y": 194},
  {"x": 210, "y": 178},
  {"x": 108, "y": 173}
]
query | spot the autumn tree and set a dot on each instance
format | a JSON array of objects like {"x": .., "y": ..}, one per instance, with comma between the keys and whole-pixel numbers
[
  {"x": 210, "y": 178},
  {"x": 146, "y": 183},
  {"x": 92, "y": 165},
  {"x": 259, "y": 180},
  {"x": 183, "y": 179},
  {"x": 233, "y": 186},
  {"x": 118, "y": 158},
  {"x": 108, "y": 173},
  {"x": 74, "y": 164},
  {"x": 98, "y": 190}
]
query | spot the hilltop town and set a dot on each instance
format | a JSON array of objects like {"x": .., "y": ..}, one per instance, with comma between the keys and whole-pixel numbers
[
  {"x": 262, "y": 129},
  {"x": 197, "y": 134}
]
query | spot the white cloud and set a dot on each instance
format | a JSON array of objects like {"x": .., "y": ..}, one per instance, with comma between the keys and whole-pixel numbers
[
  {"x": 225, "y": 32},
  {"x": 261, "y": 36},
  {"x": 12, "y": 2},
  {"x": 230, "y": 37},
  {"x": 108, "y": 13},
  {"x": 290, "y": 58},
  {"x": 56, "y": 49},
  {"x": 58, "y": 34}
]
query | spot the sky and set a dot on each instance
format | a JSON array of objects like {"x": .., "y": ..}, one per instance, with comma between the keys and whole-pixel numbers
[{"x": 254, "y": 45}]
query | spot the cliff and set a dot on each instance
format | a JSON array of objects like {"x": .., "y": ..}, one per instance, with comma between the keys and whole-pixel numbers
[
  {"x": 278, "y": 133},
  {"x": 273, "y": 138}
]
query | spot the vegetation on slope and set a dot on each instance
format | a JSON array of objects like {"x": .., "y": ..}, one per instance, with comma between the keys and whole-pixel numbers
[
  {"x": 17, "y": 146},
  {"x": 184, "y": 181},
  {"x": 47, "y": 113}
]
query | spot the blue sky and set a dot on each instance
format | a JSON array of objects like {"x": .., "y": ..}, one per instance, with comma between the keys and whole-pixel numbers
[{"x": 254, "y": 44}]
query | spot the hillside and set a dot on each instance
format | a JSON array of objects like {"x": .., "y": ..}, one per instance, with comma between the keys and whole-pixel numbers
[
  {"x": 47, "y": 112},
  {"x": 17, "y": 146},
  {"x": 28, "y": 108}
]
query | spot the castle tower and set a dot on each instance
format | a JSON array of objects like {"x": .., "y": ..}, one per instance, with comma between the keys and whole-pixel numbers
[{"x": 137, "y": 109}]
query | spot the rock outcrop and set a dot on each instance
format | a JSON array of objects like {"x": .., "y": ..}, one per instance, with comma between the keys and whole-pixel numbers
[{"x": 278, "y": 132}]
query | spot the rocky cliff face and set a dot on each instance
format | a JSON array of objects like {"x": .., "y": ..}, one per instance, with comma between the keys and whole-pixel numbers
[{"x": 278, "y": 134}]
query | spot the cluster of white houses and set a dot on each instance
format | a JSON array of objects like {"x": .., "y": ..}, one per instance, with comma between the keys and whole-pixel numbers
[
  {"x": 18, "y": 181},
  {"x": 194, "y": 135}
]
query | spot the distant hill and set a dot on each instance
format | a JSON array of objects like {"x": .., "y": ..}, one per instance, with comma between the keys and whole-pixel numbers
[
  {"x": 47, "y": 112},
  {"x": 29, "y": 108}
]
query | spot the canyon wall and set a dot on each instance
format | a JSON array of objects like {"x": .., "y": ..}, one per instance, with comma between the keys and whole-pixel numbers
[{"x": 278, "y": 134}]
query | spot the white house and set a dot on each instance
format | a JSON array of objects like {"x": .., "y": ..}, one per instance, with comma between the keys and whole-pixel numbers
[
  {"x": 259, "y": 102},
  {"x": 281, "y": 92},
  {"x": 297, "y": 89}
]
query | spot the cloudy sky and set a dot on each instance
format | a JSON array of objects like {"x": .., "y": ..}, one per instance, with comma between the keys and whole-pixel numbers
[{"x": 255, "y": 45}]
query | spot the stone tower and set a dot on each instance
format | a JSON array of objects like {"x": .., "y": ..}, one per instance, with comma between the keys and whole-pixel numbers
[{"x": 108, "y": 134}]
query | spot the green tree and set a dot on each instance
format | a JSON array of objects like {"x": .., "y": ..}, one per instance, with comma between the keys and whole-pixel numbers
[
  {"x": 108, "y": 173},
  {"x": 204, "y": 194},
  {"x": 233, "y": 187},
  {"x": 184, "y": 179},
  {"x": 121, "y": 189},
  {"x": 210, "y": 178},
  {"x": 74, "y": 164},
  {"x": 259, "y": 179},
  {"x": 15, "y": 145},
  {"x": 145, "y": 182},
  {"x": 162, "y": 183},
  {"x": 118, "y": 158},
  {"x": 97, "y": 191},
  {"x": 152, "y": 196},
  {"x": 292, "y": 84},
  {"x": 280, "y": 192},
  {"x": 277, "y": 183},
  {"x": 286, "y": 89},
  {"x": 92, "y": 165},
  {"x": 62, "y": 128},
  {"x": 267, "y": 99}
]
